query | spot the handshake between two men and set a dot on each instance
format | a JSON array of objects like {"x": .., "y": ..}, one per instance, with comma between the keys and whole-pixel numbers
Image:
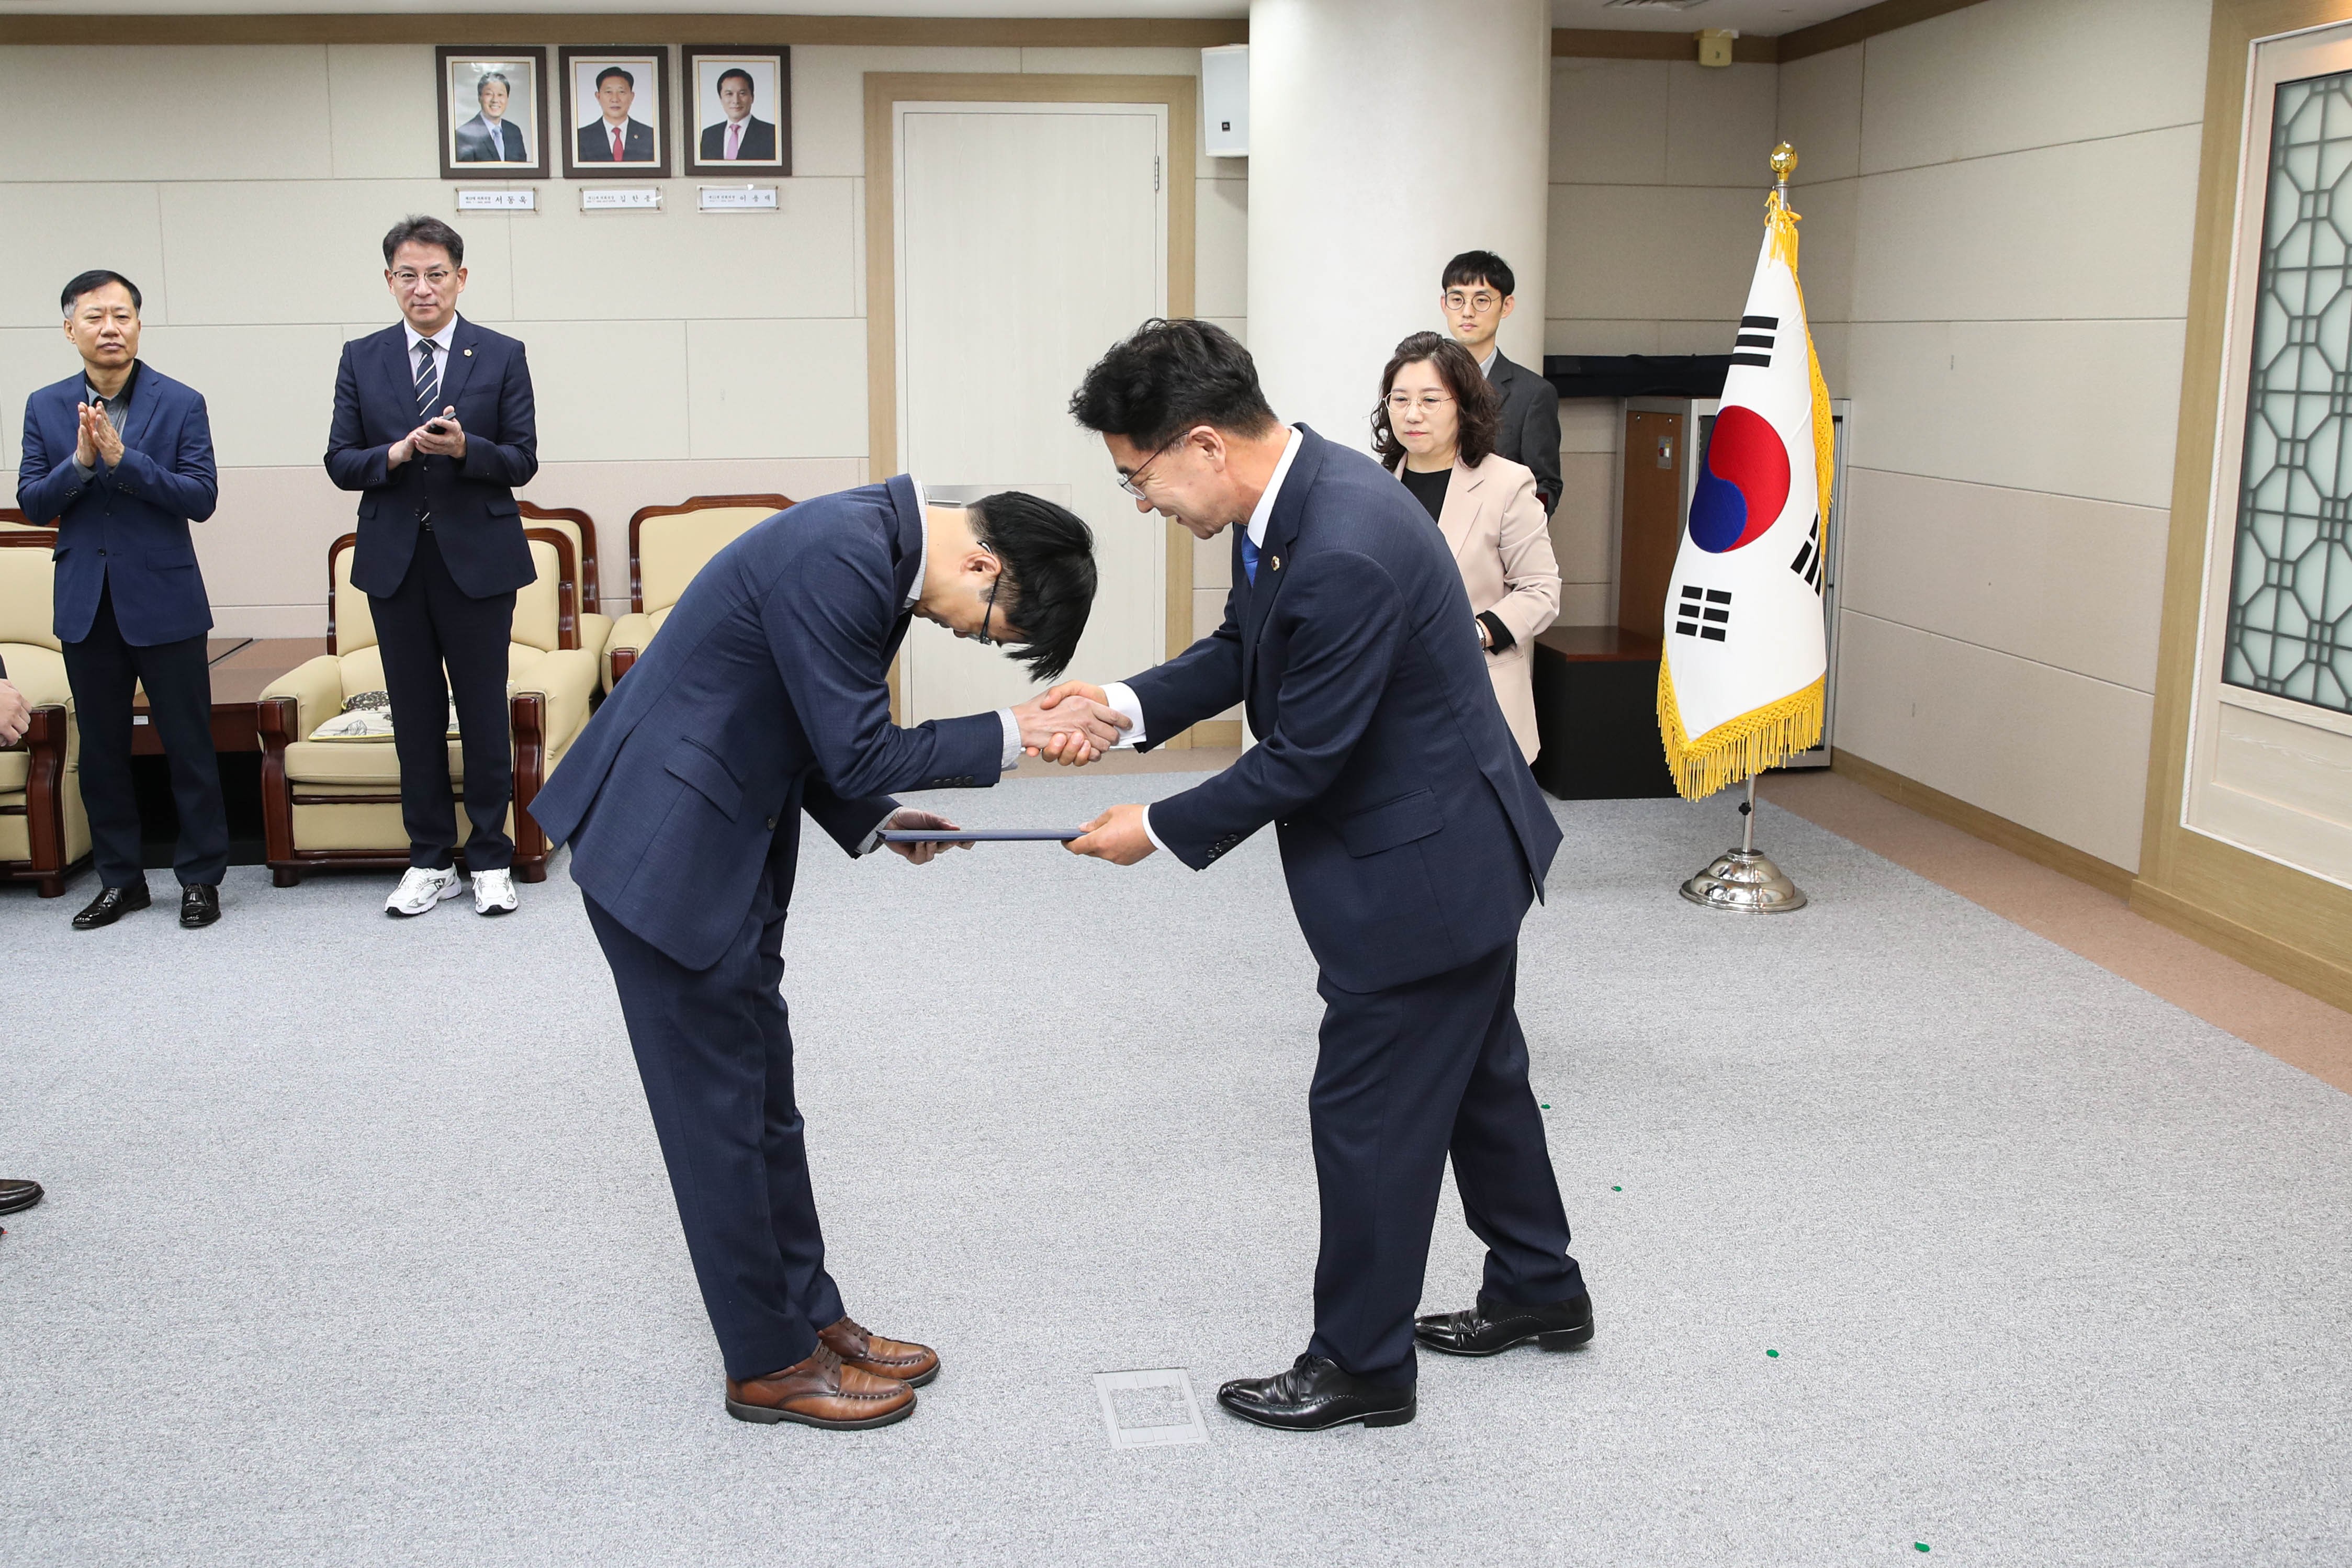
[{"x": 1073, "y": 725}]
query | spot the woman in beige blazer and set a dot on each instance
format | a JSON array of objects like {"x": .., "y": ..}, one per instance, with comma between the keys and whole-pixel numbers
[{"x": 1434, "y": 429}]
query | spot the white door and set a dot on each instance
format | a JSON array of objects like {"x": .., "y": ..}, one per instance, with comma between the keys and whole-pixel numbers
[{"x": 1029, "y": 239}]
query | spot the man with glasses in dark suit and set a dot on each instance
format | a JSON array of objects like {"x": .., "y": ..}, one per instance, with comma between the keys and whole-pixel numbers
[
  {"x": 435, "y": 426},
  {"x": 1475, "y": 296}
]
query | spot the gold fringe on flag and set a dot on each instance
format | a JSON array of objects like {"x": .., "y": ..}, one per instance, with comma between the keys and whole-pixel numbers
[
  {"x": 1739, "y": 748},
  {"x": 1767, "y": 736}
]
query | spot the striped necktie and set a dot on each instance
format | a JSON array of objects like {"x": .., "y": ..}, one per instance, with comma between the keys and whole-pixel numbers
[{"x": 428, "y": 384}]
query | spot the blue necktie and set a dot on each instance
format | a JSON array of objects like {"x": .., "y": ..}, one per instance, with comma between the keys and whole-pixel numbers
[{"x": 1249, "y": 557}]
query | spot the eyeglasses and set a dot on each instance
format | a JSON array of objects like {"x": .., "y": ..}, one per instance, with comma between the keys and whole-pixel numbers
[
  {"x": 1133, "y": 483},
  {"x": 981, "y": 636},
  {"x": 1400, "y": 402},
  {"x": 407, "y": 279},
  {"x": 1477, "y": 304}
]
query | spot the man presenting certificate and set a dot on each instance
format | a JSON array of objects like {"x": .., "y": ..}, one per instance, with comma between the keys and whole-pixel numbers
[{"x": 765, "y": 695}]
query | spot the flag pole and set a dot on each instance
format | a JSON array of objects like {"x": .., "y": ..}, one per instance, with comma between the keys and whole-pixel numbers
[{"x": 1745, "y": 880}]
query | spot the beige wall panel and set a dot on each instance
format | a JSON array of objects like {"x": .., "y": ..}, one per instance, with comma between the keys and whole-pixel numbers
[
  {"x": 1585, "y": 604},
  {"x": 1208, "y": 611},
  {"x": 829, "y": 95},
  {"x": 386, "y": 111},
  {"x": 1221, "y": 248},
  {"x": 1579, "y": 525},
  {"x": 798, "y": 260},
  {"x": 2011, "y": 74},
  {"x": 1649, "y": 252},
  {"x": 324, "y": 256},
  {"x": 608, "y": 390},
  {"x": 2089, "y": 229},
  {"x": 1237, "y": 325},
  {"x": 252, "y": 113},
  {"x": 270, "y": 390},
  {"x": 2058, "y": 752},
  {"x": 2078, "y": 408},
  {"x": 1609, "y": 121},
  {"x": 1721, "y": 123},
  {"x": 30, "y": 358},
  {"x": 1821, "y": 114},
  {"x": 1212, "y": 563},
  {"x": 777, "y": 389},
  {"x": 55, "y": 232},
  {"x": 1827, "y": 232},
  {"x": 1148, "y": 62},
  {"x": 1588, "y": 424},
  {"x": 2052, "y": 578},
  {"x": 264, "y": 552},
  {"x": 1572, "y": 336}
]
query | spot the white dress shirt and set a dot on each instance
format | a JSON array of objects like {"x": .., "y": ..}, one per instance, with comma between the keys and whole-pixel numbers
[
  {"x": 1118, "y": 694},
  {"x": 1486, "y": 365},
  {"x": 732, "y": 145},
  {"x": 440, "y": 341}
]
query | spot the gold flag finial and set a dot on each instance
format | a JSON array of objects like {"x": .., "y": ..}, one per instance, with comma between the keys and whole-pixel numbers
[{"x": 1784, "y": 163}]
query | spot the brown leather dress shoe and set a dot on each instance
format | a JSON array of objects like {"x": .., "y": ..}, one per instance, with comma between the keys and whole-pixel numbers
[
  {"x": 821, "y": 1391},
  {"x": 913, "y": 1364}
]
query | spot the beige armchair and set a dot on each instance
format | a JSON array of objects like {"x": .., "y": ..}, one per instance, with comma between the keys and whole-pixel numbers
[
  {"x": 596, "y": 626},
  {"x": 43, "y": 830},
  {"x": 667, "y": 545},
  {"x": 337, "y": 803}
]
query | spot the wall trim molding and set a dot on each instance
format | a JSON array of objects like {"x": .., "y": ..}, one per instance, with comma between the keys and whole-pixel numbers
[
  {"x": 1611, "y": 44},
  {"x": 2284, "y": 922},
  {"x": 1180, "y": 95},
  {"x": 547, "y": 28},
  {"x": 1975, "y": 821},
  {"x": 1867, "y": 23}
]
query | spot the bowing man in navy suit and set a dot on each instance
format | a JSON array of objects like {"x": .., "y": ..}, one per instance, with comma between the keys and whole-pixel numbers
[
  {"x": 766, "y": 695},
  {"x": 1414, "y": 839},
  {"x": 435, "y": 427},
  {"x": 120, "y": 455}
]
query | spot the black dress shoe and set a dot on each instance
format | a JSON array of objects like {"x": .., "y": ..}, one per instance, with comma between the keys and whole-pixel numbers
[
  {"x": 199, "y": 905},
  {"x": 18, "y": 1194},
  {"x": 110, "y": 906},
  {"x": 1316, "y": 1393},
  {"x": 1494, "y": 1325}
]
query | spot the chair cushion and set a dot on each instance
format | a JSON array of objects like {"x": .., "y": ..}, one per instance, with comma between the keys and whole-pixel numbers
[
  {"x": 16, "y": 771},
  {"x": 27, "y": 599},
  {"x": 339, "y": 762},
  {"x": 672, "y": 547}
]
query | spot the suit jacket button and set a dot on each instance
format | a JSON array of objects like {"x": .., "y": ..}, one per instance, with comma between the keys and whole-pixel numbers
[{"x": 772, "y": 824}]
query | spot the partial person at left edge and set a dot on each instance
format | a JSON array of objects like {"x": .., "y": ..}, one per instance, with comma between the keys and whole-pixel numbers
[{"x": 121, "y": 457}]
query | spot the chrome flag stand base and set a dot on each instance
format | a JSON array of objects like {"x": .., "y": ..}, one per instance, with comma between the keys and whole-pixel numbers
[{"x": 1745, "y": 880}]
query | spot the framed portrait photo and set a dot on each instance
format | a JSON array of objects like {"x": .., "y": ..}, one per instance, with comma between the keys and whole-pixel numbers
[
  {"x": 493, "y": 112},
  {"x": 616, "y": 113},
  {"x": 738, "y": 110}
]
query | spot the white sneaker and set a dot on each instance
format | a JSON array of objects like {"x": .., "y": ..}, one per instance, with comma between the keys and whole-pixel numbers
[
  {"x": 420, "y": 890},
  {"x": 494, "y": 893}
]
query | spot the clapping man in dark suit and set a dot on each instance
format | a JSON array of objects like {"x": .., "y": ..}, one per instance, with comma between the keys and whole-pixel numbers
[
  {"x": 1414, "y": 839},
  {"x": 435, "y": 426},
  {"x": 613, "y": 137},
  {"x": 742, "y": 134},
  {"x": 490, "y": 137},
  {"x": 766, "y": 695},
  {"x": 1475, "y": 296},
  {"x": 121, "y": 456}
]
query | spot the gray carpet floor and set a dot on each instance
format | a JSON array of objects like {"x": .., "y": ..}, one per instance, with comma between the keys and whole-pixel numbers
[{"x": 358, "y": 1248}]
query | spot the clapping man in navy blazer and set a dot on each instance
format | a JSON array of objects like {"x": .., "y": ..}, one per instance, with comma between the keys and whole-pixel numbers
[
  {"x": 767, "y": 695},
  {"x": 120, "y": 455},
  {"x": 1414, "y": 839},
  {"x": 435, "y": 427}
]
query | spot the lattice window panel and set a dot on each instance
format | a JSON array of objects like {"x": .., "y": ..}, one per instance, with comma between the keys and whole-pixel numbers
[{"x": 2290, "y": 624}]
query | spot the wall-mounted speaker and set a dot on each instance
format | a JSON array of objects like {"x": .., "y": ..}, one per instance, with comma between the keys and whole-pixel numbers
[{"x": 1225, "y": 100}]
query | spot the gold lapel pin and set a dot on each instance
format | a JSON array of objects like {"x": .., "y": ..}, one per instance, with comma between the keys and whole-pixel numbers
[
  {"x": 1277, "y": 563},
  {"x": 469, "y": 354}
]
